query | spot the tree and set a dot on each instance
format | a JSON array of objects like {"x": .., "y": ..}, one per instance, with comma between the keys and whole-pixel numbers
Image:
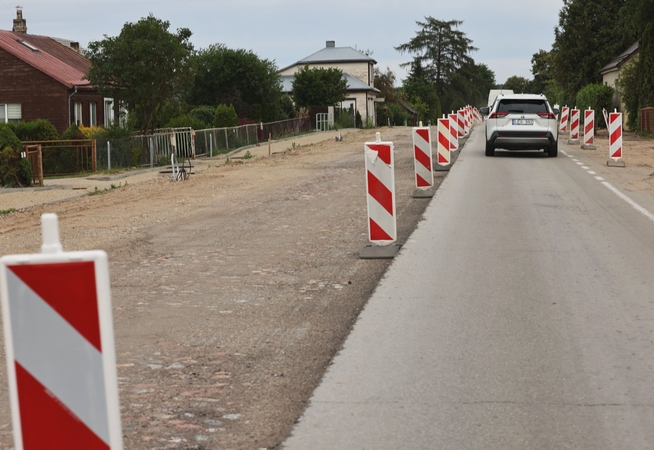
[
  {"x": 143, "y": 66},
  {"x": 319, "y": 87},
  {"x": 541, "y": 69},
  {"x": 440, "y": 49},
  {"x": 385, "y": 82},
  {"x": 587, "y": 38},
  {"x": 237, "y": 77},
  {"x": 519, "y": 85},
  {"x": 422, "y": 94},
  {"x": 636, "y": 82}
]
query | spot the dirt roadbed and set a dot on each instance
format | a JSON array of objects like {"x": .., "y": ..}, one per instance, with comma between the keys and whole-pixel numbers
[{"x": 232, "y": 291}]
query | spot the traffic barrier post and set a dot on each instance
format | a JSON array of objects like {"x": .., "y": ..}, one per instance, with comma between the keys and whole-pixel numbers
[
  {"x": 574, "y": 127},
  {"x": 380, "y": 188},
  {"x": 423, "y": 162},
  {"x": 563, "y": 126},
  {"x": 615, "y": 140},
  {"x": 59, "y": 341},
  {"x": 443, "y": 155},
  {"x": 589, "y": 130},
  {"x": 454, "y": 133}
]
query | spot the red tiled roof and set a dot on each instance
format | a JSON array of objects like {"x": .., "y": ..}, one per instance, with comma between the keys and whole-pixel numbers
[{"x": 52, "y": 58}]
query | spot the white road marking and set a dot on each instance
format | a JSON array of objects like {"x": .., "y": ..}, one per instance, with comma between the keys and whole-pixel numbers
[
  {"x": 633, "y": 204},
  {"x": 615, "y": 190}
]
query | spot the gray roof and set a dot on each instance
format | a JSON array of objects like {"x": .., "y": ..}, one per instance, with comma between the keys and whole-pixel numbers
[
  {"x": 621, "y": 58},
  {"x": 353, "y": 84},
  {"x": 332, "y": 54}
]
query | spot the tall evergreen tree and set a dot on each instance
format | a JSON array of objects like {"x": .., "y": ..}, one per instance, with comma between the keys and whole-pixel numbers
[{"x": 441, "y": 50}]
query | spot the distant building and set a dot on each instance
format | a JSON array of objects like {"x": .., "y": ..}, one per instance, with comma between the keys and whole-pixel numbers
[
  {"x": 611, "y": 73},
  {"x": 43, "y": 78},
  {"x": 358, "y": 70}
]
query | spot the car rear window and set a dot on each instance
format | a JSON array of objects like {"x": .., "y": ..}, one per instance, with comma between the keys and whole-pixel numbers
[{"x": 522, "y": 106}]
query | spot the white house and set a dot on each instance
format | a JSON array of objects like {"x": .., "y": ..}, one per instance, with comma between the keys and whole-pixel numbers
[
  {"x": 611, "y": 73},
  {"x": 358, "y": 70}
]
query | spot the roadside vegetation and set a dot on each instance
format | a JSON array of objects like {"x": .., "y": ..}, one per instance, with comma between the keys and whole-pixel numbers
[{"x": 590, "y": 34}]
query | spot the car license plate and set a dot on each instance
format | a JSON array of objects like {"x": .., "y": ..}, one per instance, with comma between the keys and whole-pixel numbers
[{"x": 522, "y": 121}]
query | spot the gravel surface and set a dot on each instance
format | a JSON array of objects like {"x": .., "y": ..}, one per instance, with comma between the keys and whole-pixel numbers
[{"x": 231, "y": 291}]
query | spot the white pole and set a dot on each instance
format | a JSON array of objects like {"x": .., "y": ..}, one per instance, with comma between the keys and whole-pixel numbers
[
  {"x": 50, "y": 233},
  {"x": 108, "y": 155},
  {"x": 210, "y": 146}
]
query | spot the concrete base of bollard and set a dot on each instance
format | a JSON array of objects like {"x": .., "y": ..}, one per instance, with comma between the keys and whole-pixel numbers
[
  {"x": 439, "y": 168},
  {"x": 423, "y": 193},
  {"x": 380, "y": 251},
  {"x": 588, "y": 147},
  {"x": 612, "y": 163},
  {"x": 573, "y": 142}
]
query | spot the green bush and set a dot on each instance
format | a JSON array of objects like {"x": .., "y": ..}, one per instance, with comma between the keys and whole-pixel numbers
[
  {"x": 37, "y": 130},
  {"x": 359, "y": 121},
  {"x": 14, "y": 170},
  {"x": 9, "y": 139},
  {"x": 287, "y": 108},
  {"x": 72, "y": 133},
  {"x": 186, "y": 120},
  {"x": 136, "y": 156},
  {"x": 399, "y": 116},
  {"x": 225, "y": 116},
  {"x": 204, "y": 113},
  {"x": 344, "y": 120},
  {"x": 598, "y": 97}
]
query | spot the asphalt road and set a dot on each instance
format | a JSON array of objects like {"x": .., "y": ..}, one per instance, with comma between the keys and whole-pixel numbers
[{"x": 519, "y": 315}]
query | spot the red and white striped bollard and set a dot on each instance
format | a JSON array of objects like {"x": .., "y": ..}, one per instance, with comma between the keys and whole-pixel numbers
[
  {"x": 423, "y": 157},
  {"x": 574, "y": 127},
  {"x": 589, "y": 130},
  {"x": 454, "y": 132},
  {"x": 380, "y": 186},
  {"x": 615, "y": 139}
]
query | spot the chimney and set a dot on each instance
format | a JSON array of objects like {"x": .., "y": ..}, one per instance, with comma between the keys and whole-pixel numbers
[
  {"x": 75, "y": 46},
  {"x": 331, "y": 44},
  {"x": 20, "y": 24}
]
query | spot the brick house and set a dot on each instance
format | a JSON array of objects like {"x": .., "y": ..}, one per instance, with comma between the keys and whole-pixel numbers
[
  {"x": 358, "y": 70},
  {"x": 43, "y": 78}
]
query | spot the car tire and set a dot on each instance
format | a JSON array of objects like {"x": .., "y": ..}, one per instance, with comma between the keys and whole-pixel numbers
[
  {"x": 490, "y": 150},
  {"x": 553, "y": 151}
]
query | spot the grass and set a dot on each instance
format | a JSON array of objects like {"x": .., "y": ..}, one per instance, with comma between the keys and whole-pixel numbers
[
  {"x": 97, "y": 191},
  {"x": 7, "y": 211}
]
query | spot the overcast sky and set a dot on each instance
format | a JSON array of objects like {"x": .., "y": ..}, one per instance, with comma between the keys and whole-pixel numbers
[{"x": 506, "y": 32}]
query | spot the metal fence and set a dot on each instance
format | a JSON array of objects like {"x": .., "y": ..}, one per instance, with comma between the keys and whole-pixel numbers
[
  {"x": 156, "y": 149},
  {"x": 215, "y": 141}
]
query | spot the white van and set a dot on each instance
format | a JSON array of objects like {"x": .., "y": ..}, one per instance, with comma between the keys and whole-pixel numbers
[{"x": 494, "y": 93}]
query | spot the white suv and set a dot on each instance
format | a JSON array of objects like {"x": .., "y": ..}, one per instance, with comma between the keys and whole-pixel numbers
[{"x": 521, "y": 122}]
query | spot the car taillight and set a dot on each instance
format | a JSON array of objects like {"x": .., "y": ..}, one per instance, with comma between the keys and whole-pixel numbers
[
  {"x": 547, "y": 115},
  {"x": 498, "y": 115}
]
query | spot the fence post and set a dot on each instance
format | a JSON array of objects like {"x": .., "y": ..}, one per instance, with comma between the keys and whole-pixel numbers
[
  {"x": 94, "y": 156},
  {"x": 151, "y": 154},
  {"x": 210, "y": 146},
  {"x": 226, "y": 140},
  {"x": 108, "y": 155}
]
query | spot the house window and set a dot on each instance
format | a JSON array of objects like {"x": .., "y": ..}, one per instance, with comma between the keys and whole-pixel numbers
[
  {"x": 10, "y": 112},
  {"x": 93, "y": 114},
  {"x": 78, "y": 113},
  {"x": 108, "y": 112}
]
